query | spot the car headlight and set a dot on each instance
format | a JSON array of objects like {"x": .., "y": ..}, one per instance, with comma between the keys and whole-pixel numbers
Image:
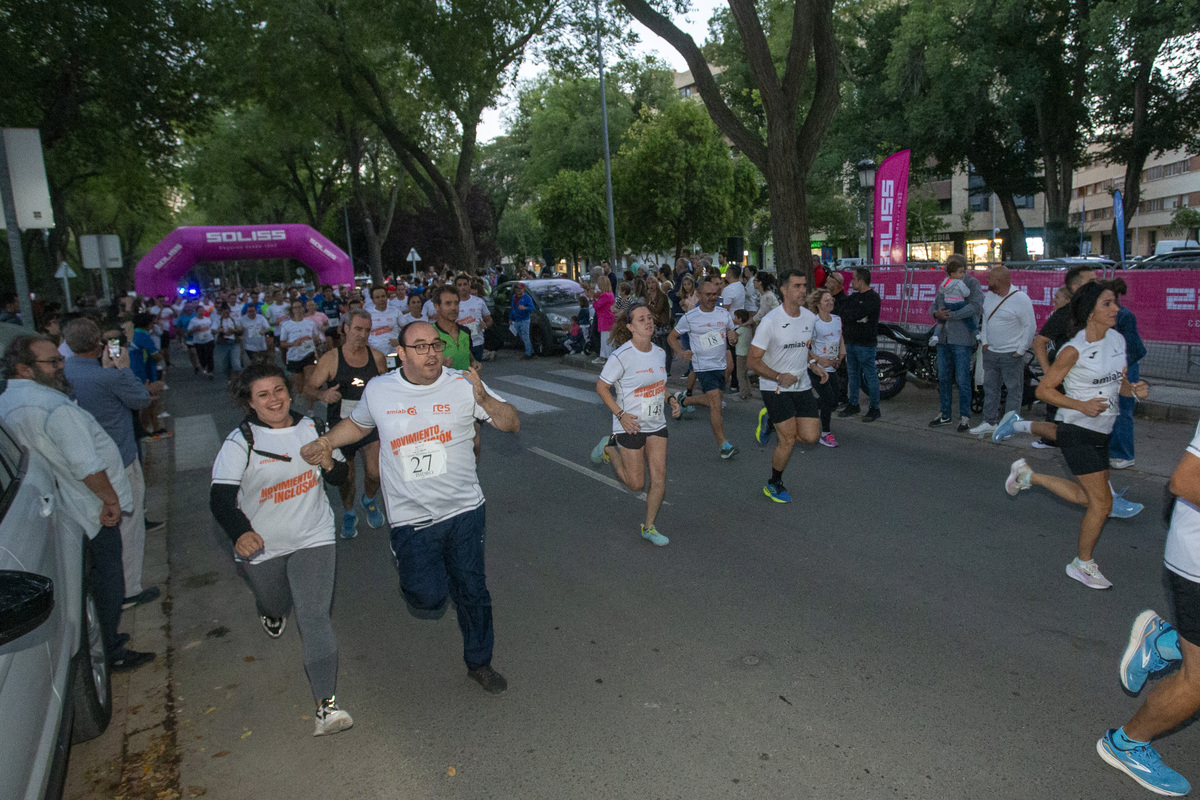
[{"x": 559, "y": 320}]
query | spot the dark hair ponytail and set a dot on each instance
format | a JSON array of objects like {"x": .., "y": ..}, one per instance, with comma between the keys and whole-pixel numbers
[{"x": 1083, "y": 302}]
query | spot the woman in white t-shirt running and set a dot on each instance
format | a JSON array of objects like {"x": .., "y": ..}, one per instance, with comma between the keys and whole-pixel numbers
[
  {"x": 829, "y": 349},
  {"x": 637, "y": 369},
  {"x": 1091, "y": 370},
  {"x": 273, "y": 505}
]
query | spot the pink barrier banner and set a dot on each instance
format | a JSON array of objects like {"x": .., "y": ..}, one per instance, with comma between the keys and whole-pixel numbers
[
  {"x": 169, "y": 261},
  {"x": 1166, "y": 302},
  {"x": 890, "y": 234}
]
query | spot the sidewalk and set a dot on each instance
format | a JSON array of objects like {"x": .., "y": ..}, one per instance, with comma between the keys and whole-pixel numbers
[{"x": 136, "y": 757}]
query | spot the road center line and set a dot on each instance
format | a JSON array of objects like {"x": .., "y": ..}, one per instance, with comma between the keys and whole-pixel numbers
[{"x": 607, "y": 481}]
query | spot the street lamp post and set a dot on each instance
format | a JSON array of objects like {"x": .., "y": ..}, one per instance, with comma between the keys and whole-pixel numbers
[
  {"x": 612, "y": 230},
  {"x": 866, "y": 181}
]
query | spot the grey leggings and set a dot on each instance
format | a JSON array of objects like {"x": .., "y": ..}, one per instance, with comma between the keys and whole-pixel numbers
[{"x": 303, "y": 579}]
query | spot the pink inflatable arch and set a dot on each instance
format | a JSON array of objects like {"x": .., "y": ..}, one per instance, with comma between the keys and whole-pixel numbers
[{"x": 162, "y": 268}]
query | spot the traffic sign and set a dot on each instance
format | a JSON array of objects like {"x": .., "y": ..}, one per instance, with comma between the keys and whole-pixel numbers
[
  {"x": 65, "y": 271},
  {"x": 413, "y": 257}
]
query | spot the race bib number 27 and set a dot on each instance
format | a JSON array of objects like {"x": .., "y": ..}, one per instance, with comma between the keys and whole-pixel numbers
[{"x": 423, "y": 460}]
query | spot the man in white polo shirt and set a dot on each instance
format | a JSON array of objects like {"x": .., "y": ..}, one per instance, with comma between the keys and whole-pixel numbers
[
  {"x": 425, "y": 414},
  {"x": 709, "y": 328},
  {"x": 1007, "y": 332}
]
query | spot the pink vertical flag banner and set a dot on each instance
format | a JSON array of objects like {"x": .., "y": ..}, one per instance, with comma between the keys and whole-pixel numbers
[{"x": 889, "y": 244}]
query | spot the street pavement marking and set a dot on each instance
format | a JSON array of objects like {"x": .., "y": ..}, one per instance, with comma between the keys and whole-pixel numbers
[
  {"x": 196, "y": 442},
  {"x": 552, "y": 388},
  {"x": 577, "y": 374},
  {"x": 527, "y": 406},
  {"x": 582, "y": 470}
]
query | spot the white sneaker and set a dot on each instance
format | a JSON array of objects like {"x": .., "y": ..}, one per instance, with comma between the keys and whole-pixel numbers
[
  {"x": 330, "y": 718},
  {"x": 983, "y": 429},
  {"x": 1019, "y": 477},
  {"x": 1088, "y": 574},
  {"x": 1120, "y": 463}
]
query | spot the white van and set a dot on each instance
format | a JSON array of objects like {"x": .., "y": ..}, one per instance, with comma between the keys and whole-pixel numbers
[{"x": 1169, "y": 245}]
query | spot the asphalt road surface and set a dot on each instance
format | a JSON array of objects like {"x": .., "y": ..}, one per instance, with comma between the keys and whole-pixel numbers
[{"x": 904, "y": 629}]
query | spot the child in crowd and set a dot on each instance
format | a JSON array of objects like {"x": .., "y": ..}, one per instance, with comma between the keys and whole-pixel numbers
[
  {"x": 742, "y": 350},
  {"x": 955, "y": 295},
  {"x": 580, "y": 326}
]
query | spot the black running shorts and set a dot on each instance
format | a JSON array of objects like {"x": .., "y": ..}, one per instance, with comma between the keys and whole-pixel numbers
[
  {"x": 1186, "y": 595},
  {"x": 782, "y": 406},
  {"x": 1085, "y": 450},
  {"x": 636, "y": 441}
]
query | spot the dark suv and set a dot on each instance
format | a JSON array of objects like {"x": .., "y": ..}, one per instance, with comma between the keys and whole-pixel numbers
[{"x": 555, "y": 307}]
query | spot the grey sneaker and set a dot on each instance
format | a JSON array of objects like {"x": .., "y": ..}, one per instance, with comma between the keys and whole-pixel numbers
[
  {"x": 330, "y": 718},
  {"x": 1019, "y": 477},
  {"x": 1088, "y": 574},
  {"x": 491, "y": 681}
]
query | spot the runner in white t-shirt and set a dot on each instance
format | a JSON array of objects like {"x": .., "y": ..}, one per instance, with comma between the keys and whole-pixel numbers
[
  {"x": 1154, "y": 645},
  {"x": 255, "y": 330},
  {"x": 829, "y": 349},
  {"x": 428, "y": 309},
  {"x": 779, "y": 354},
  {"x": 1090, "y": 368},
  {"x": 709, "y": 328},
  {"x": 273, "y": 506},
  {"x": 425, "y": 415},
  {"x": 298, "y": 337},
  {"x": 473, "y": 314},
  {"x": 637, "y": 370},
  {"x": 385, "y": 322}
]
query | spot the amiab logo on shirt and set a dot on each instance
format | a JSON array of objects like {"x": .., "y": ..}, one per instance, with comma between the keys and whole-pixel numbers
[{"x": 411, "y": 411}]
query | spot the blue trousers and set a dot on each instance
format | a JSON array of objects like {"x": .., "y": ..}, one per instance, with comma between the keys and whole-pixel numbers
[
  {"x": 522, "y": 327},
  {"x": 445, "y": 561},
  {"x": 954, "y": 365},
  {"x": 1120, "y": 445},
  {"x": 860, "y": 368},
  {"x": 106, "y": 577}
]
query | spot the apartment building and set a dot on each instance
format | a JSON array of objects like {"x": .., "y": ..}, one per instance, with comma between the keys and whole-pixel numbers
[{"x": 1169, "y": 181}]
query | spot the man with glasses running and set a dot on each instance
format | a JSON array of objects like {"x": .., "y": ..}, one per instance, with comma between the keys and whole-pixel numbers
[
  {"x": 709, "y": 327},
  {"x": 425, "y": 414}
]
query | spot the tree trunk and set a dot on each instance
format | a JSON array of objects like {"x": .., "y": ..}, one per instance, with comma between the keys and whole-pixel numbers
[
  {"x": 789, "y": 207},
  {"x": 1016, "y": 227},
  {"x": 1136, "y": 154}
]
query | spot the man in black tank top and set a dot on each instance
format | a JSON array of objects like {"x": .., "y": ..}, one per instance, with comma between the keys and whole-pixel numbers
[{"x": 338, "y": 381}]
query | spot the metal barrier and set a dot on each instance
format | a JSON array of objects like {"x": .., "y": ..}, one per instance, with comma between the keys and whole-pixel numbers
[{"x": 1166, "y": 303}]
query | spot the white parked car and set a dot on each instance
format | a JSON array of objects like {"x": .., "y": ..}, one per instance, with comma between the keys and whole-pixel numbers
[{"x": 54, "y": 679}]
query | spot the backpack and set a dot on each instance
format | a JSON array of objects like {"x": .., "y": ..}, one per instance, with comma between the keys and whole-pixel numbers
[{"x": 248, "y": 435}]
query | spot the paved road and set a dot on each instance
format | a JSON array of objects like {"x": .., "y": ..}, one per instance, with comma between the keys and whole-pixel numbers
[{"x": 904, "y": 630}]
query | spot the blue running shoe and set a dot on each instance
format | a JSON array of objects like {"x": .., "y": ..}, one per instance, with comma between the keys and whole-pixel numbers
[
  {"x": 679, "y": 398},
  {"x": 349, "y": 525},
  {"x": 777, "y": 493},
  {"x": 598, "y": 454},
  {"x": 374, "y": 515},
  {"x": 1006, "y": 428},
  {"x": 1141, "y": 654},
  {"x": 1144, "y": 765},
  {"x": 652, "y": 536},
  {"x": 1122, "y": 508},
  {"x": 762, "y": 431},
  {"x": 728, "y": 451}
]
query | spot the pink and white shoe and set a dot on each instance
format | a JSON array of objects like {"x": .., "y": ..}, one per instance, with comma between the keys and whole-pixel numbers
[{"x": 828, "y": 440}]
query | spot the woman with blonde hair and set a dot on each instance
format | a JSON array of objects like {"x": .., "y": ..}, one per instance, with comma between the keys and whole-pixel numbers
[{"x": 829, "y": 349}]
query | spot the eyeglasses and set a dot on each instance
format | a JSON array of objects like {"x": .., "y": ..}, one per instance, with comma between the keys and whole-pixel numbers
[
  {"x": 58, "y": 360},
  {"x": 422, "y": 349}
]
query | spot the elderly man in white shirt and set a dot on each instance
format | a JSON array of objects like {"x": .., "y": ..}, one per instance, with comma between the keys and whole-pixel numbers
[
  {"x": 93, "y": 488},
  {"x": 1008, "y": 329}
]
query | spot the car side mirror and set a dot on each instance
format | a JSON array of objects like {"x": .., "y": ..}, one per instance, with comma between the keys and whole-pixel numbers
[{"x": 26, "y": 601}]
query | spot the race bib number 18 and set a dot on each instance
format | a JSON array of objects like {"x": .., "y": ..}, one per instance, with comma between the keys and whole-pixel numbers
[
  {"x": 712, "y": 339},
  {"x": 423, "y": 460}
]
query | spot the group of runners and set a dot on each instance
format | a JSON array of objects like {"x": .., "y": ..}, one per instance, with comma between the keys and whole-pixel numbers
[{"x": 417, "y": 429}]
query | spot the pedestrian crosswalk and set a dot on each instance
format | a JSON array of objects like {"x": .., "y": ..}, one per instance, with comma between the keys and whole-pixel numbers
[{"x": 562, "y": 391}]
